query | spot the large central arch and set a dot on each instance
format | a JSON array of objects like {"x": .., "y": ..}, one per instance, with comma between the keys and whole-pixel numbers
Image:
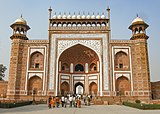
[{"x": 77, "y": 60}]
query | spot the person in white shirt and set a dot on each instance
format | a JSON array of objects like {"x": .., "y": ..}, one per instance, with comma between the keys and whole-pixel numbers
[
  {"x": 70, "y": 101},
  {"x": 62, "y": 100}
]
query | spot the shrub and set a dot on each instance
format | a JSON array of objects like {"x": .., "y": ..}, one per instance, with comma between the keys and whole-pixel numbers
[
  {"x": 16, "y": 104},
  {"x": 137, "y": 101},
  {"x": 142, "y": 106}
]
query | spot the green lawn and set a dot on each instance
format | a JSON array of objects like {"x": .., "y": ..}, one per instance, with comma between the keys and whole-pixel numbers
[{"x": 142, "y": 106}]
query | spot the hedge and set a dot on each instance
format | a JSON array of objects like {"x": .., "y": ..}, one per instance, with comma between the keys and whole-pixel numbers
[
  {"x": 142, "y": 106},
  {"x": 16, "y": 104}
]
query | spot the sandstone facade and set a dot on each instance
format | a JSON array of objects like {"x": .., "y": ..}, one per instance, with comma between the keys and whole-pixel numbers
[{"x": 79, "y": 57}]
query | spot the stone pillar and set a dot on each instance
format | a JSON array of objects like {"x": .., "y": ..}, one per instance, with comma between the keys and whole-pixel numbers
[
  {"x": 60, "y": 66},
  {"x": 86, "y": 68},
  {"x": 71, "y": 68},
  {"x": 98, "y": 66}
]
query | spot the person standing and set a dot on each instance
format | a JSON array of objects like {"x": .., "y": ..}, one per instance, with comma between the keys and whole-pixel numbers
[
  {"x": 57, "y": 101},
  {"x": 70, "y": 101},
  {"x": 65, "y": 101},
  {"x": 62, "y": 100},
  {"x": 49, "y": 102},
  {"x": 52, "y": 102},
  {"x": 79, "y": 103}
]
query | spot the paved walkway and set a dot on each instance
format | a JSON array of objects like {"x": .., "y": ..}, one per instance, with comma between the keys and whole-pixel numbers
[{"x": 94, "y": 109}]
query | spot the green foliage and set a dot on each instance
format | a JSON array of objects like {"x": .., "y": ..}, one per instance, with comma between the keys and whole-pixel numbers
[
  {"x": 16, "y": 104},
  {"x": 142, "y": 106},
  {"x": 2, "y": 70},
  {"x": 137, "y": 101}
]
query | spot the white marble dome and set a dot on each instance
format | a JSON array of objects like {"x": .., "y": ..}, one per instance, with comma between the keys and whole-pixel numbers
[
  {"x": 21, "y": 21},
  {"x": 54, "y": 17},
  {"x": 88, "y": 17},
  {"x": 83, "y": 16},
  {"x": 137, "y": 19},
  {"x": 59, "y": 16},
  {"x": 98, "y": 16},
  {"x": 103, "y": 16},
  {"x": 74, "y": 16},
  {"x": 93, "y": 16},
  {"x": 79, "y": 16},
  {"x": 64, "y": 16},
  {"x": 69, "y": 16}
]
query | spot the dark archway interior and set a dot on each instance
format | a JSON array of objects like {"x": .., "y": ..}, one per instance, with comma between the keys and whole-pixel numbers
[{"x": 77, "y": 84}]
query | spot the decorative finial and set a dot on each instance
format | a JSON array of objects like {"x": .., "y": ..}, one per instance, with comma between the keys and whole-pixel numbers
[
  {"x": 69, "y": 13},
  {"x": 50, "y": 12},
  {"x": 50, "y": 9},
  {"x": 108, "y": 8},
  {"x": 79, "y": 13},
  {"x": 83, "y": 13},
  {"x": 137, "y": 14},
  {"x": 21, "y": 15},
  {"x": 74, "y": 13}
]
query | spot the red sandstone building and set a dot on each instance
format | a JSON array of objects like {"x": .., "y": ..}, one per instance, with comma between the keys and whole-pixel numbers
[{"x": 79, "y": 57}]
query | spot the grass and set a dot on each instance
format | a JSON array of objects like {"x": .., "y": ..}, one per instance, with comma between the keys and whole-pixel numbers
[{"x": 142, "y": 106}]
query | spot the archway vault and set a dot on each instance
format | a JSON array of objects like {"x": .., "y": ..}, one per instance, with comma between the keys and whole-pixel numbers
[{"x": 79, "y": 54}]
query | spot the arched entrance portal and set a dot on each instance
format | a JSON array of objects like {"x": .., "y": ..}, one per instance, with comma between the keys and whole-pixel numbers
[
  {"x": 79, "y": 88},
  {"x": 73, "y": 66},
  {"x": 93, "y": 88},
  {"x": 64, "y": 88},
  {"x": 35, "y": 83},
  {"x": 122, "y": 85}
]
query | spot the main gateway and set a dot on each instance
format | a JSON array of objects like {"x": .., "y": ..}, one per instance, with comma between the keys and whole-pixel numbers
[{"x": 79, "y": 57}]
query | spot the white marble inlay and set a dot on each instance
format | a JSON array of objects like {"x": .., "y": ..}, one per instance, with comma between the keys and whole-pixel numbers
[
  {"x": 78, "y": 78},
  {"x": 65, "y": 44},
  {"x": 65, "y": 77},
  {"x": 37, "y": 50},
  {"x": 123, "y": 50},
  {"x": 35, "y": 74},
  {"x": 125, "y": 75},
  {"x": 92, "y": 81},
  {"x": 92, "y": 77},
  {"x": 96, "y": 42}
]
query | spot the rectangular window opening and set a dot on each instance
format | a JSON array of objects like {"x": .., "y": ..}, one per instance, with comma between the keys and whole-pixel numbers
[{"x": 37, "y": 65}]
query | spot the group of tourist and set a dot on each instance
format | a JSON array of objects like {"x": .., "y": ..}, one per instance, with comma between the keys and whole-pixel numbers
[{"x": 71, "y": 100}]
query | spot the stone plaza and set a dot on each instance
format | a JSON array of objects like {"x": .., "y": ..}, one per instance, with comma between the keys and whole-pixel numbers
[{"x": 93, "y": 109}]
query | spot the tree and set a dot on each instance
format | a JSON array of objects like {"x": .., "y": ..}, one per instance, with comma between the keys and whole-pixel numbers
[{"x": 2, "y": 70}]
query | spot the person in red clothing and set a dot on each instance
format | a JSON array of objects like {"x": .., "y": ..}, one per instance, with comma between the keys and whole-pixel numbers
[{"x": 79, "y": 103}]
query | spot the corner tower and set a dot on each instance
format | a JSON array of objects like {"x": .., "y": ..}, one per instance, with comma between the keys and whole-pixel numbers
[
  {"x": 17, "y": 59},
  {"x": 138, "y": 28},
  {"x": 140, "y": 62},
  {"x": 20, "y": 29}
]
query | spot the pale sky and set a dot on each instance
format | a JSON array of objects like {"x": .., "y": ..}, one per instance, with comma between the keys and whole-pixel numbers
[{"x": 35, "y": 12}]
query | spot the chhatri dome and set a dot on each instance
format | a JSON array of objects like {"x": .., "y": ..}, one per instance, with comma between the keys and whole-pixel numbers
[
  {"x": 21, "y": 21},
  {"x": 137, "y": 20}
]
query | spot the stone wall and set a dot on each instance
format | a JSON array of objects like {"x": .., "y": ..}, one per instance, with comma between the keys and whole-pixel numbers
[
  {"x": 155, "y": 88},
  {"x": 3, "y": 88}
]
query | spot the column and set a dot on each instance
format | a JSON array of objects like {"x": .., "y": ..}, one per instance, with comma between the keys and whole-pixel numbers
[
  {"x": 71, "y": 68},
  {"x": 98, "y": 66},
  {"x": 86, "y": 68},
  {"x": 60, "y": 66}
]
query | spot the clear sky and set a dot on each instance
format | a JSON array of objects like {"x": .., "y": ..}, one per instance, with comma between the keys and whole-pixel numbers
[{"x": 122, "y": 14}]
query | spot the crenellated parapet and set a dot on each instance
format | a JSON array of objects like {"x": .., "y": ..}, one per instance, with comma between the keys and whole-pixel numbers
[{"x": 79, "y": 21}]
